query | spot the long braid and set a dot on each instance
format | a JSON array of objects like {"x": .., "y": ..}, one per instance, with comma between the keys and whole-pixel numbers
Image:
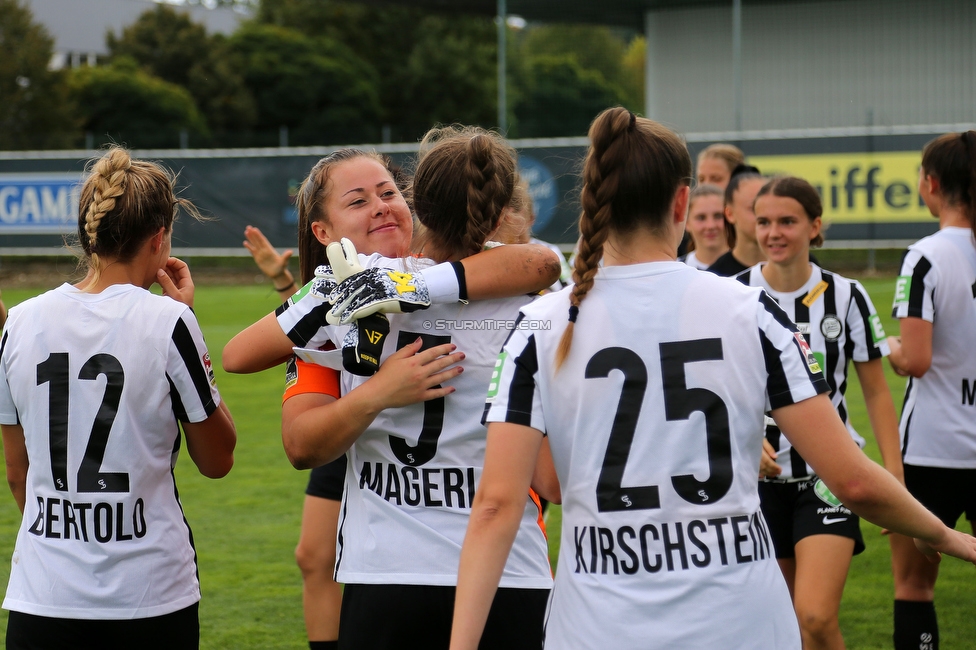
[
  {"x": 109, "y": 179},
  {"x": 490, "y": 189},
  {"x": 601, "y": 172}
]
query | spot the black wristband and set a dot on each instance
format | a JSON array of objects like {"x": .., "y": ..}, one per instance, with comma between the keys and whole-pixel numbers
[
  {"x": 287, "y": 286},
  {"x": 462, "y": 285}
]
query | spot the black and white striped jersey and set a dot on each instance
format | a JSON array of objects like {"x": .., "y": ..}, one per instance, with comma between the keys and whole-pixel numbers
[
  {"x": 839, "y": 322},
  {"x": 412, "y": 473},
  {"x": 98, "y": 382},
  {"x": 937, "y": 283},
  {"x": 655, "y": 420}
]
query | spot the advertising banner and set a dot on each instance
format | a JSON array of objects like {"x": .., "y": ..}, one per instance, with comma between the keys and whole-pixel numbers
[{"x": 39, "y": 203}]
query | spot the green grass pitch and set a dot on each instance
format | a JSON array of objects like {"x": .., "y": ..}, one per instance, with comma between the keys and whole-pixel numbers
[{"x": 246, "y": 525}]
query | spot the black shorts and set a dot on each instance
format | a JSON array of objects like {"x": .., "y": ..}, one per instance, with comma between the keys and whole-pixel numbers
[
  {"x": 803, "y": 508},
  {"x": 948, "y": 493},
  {"x": 401, "y": 617},
  {"x": 177, "y": 631},
  {"x": 326, "y": 482}
]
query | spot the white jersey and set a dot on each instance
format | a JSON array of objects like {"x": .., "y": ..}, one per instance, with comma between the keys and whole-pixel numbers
[
  {"x": 411, "y": 476},
  {"x": 938, "y": 283},
  {"x": 692, "y": 260},
  {"x": 655, "y": 420},
  {"x": 98, "y": 382},
  {"x": 839, "y": 322}
]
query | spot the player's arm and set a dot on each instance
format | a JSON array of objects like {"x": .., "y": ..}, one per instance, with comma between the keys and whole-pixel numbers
[
  {"x": 317, "y": 429},
  {"x": 911, "y": 353},
  {"x": 211, "y": 443},
  {"x": 818, "y": 434},
  {"x": 499, "y": 503},
  {"x": 512, "y": 270},
  {"x": 273, "y": 265},
  {"x": 15, "y": 456},
  {"x": 881, "y": 412},
  {"x": 544, "y": 480},
  {"x": 261, "y": 346}
]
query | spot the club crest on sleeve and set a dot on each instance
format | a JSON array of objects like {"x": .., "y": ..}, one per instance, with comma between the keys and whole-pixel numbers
[
  {"x": 812, "y": 363},
  {"x": 208, "y": 366},
  {"x": 831, "y": 327}
]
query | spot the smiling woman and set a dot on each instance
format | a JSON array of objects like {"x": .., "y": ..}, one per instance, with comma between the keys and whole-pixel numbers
[{"x": 814, "y": 534}]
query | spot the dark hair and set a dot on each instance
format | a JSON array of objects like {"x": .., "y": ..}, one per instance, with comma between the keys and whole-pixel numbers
[
  {"x": 951, "y": 158},
  {"x": 465, "y": 177},
  {"x": 802, "y": 192},
  {"x": 311, "y": 199},
  {"x": 742, "y": 172},
  {"x": 632, "y": 171},
  {"x": 123, "y": 203}
]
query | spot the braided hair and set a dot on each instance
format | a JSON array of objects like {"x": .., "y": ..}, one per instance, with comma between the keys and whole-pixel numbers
[
  {"x": 123, "y": 203},
  {"x": 465, "y": 178},
  {"x": 631, "y": 173}
]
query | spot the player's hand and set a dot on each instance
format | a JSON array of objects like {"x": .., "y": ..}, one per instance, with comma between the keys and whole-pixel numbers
[
  {"x": 953, "y": 542},
  {"x": 265, "y": 256},
  {"x": 767, "y": 461},
  {"x": 409, "y": 376},
  {"x": 175, "y": 281},
  {"x": 894, "y": 344}
]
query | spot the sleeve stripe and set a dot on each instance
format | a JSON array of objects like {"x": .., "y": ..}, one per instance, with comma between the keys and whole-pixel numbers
[
  {"x": 916, "y": 296},
  {"x": 308, "y": 325},
  {"x": 522, "y": 387},
  {"x": 3, "y": 343},
  {"x": 194, "y": 365},
  {"x": 178, "y": 409},
  {"x": 874, "y": 352},
  {"x": 777, "y": 386}
]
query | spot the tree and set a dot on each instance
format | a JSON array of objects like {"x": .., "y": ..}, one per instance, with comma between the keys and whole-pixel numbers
[
  {"x": 34, "y": 107},
  {"x": 167, "y": 44},
  {"x": 317, "y": 88},
  {"x": 132, "y": 107},
  {"x": 560, "y": 98}
]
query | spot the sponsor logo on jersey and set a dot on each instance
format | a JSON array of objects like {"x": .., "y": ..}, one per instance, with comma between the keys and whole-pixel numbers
[
  {"x": 825, "y": 495},
  {"x": 830, "y": 327},
  {"x": 804, "y": 328},
  {"x": 496, "y": 375},
  {"x": 815, "y": 293},
  {"x": 903, "y": 287},
  {"x": 811, "y": 359},
  {"x": 877, "y": 329},
  {"x": 209, "y": 367}
]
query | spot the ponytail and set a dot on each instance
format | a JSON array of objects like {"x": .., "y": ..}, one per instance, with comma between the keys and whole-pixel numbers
[{"x": 631, "y": 173}]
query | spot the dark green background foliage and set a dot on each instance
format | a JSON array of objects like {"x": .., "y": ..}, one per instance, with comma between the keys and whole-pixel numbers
[{"x": 316, "y": 72}]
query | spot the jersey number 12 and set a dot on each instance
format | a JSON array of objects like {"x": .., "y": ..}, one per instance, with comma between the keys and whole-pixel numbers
[{"x": 54, "y": 371}]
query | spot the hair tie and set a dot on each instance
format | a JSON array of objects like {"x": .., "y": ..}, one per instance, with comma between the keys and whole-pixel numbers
[
  {"x": 573, "y": 309},
  {"x": 633, "y": 121}
]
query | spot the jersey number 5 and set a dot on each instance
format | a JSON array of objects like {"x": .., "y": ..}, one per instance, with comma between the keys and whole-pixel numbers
[
  {"x": 679, "y": 403},
  {"x": 54, "y": 371},
  {"x": 426, "y": 445}
]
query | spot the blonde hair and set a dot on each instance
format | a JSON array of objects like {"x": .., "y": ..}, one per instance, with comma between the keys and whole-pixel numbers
[
  {"x": 730, "y": 154},
  {"x": 123, "y": 203},
  {"x": 632, "y": 171}
]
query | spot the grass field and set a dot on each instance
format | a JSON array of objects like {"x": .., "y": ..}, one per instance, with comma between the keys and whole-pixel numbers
[{"x": 246, "y": 525}]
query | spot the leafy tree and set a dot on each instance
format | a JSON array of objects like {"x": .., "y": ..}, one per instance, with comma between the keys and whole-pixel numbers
[
  {"x": 560, "y": 98},
  {"x": 633, "y": 74},
  {"x": 131, "y": 106},
  {"x": 167, "y": 44},
  {"x": 34, "y": 107},
  {"x": 317, "y": 88},
  {"x": 431, "y": 67}
]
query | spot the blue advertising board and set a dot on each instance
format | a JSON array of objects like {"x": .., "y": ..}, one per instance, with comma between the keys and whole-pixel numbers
[{"x": 39, "y": 203}]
